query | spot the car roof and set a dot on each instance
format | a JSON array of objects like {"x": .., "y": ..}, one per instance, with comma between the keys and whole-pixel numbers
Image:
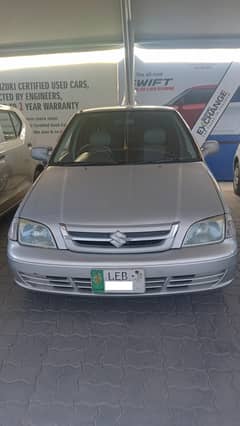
[
  {"x": 205, "y": 86},
  {"x": 128, "y": 108}
]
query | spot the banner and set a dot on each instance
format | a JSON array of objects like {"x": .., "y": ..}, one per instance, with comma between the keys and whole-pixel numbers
[
  {"x": 217, "y": 104},
  {"x": 207, "y": 95},
  {"x": 49, "y": 96},
  {"x": 161, "y": 84}
]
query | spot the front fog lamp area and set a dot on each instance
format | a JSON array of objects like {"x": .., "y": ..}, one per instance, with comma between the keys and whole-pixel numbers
[
  {"x": 208, "y": 231},
  {"x": 35, "y": 235}
]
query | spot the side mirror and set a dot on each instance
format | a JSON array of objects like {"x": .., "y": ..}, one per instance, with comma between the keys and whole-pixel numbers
[
  {"x": 209, "y": 148},
  {"x": 41, "y": 154}
]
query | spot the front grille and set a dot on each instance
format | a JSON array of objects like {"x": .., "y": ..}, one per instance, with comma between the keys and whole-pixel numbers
[
  {"x": 124, "y": 240},
  {"x": 194, "y": 281},
  {"x": 154, "y": 285},
  {"x": 48, "y": 283}
]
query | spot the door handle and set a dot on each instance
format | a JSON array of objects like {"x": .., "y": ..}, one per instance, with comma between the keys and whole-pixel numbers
[{"x": 2, "y": 157}]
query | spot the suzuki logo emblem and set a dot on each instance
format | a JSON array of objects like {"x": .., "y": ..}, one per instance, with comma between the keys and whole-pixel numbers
[{"x": 118, "y": 239}]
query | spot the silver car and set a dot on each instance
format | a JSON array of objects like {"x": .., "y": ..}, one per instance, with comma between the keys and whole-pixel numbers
[
  {"x": 126, "y": 206},
  {"x": 236, "y": 171},
  {"x": 17, "y": 168}
]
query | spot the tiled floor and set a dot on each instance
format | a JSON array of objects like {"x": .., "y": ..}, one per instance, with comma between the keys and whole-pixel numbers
[{"x": 172, "y": 361}]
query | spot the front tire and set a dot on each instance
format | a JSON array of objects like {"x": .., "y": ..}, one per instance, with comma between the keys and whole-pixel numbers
[{"x": 236, "y": 179}]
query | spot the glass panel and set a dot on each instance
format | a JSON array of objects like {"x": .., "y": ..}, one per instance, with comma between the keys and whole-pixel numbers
[
  {"x": 126, "y": 137},
  {"x": 16, "y": 122},
  {"x": 198, "y": 96},
  {"x": 7, "y": 126}
]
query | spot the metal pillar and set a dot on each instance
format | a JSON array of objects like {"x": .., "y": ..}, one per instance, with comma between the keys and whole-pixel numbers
[{"x": 128, "y": 39}]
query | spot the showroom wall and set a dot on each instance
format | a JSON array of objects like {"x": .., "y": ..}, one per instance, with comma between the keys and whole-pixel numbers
[
  {"x": 190, "y": 87},
  {"x": 49, "y": 96}
]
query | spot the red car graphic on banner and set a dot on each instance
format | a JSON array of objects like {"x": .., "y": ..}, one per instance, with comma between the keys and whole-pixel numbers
[{"x": 192, "y": 102}]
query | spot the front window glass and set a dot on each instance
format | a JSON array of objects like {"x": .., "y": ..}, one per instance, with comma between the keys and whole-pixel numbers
[
  {"x": 16, "y": 122},
  {"x": 125, "y": 137},
  {"x": 197, "y": 95},
  {"x": 7, "y": 130}
]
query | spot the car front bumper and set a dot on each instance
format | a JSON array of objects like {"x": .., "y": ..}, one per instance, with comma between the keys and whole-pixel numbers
[{"x": 177, "y": 271}]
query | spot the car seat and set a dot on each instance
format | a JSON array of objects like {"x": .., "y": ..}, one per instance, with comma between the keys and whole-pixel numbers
[
  {"x": 155, "y": 144},
  {"x": 100, "y": 140}
]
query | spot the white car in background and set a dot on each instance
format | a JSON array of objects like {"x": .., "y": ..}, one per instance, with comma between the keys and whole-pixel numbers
[
  {"x": 17, "y": 169},
  {"x": 236, "y": 172}
]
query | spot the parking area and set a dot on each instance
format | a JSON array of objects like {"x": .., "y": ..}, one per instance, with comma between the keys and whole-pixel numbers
[{"x": 171, "y": 361}]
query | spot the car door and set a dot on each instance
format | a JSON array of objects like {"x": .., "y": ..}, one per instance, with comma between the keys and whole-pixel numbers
[
  {"x": 17, "y": 157},
  {"x": 4, "y": 175},
  {"x": 23, "y": 146}
]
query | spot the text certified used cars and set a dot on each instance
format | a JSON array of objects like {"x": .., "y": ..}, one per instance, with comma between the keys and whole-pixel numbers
[{"x": 126, "y": 206}]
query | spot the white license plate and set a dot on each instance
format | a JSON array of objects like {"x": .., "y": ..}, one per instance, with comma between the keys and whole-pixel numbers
[
  {"x": 124, "y": 281},
  {"x": 118, "y": 281}
]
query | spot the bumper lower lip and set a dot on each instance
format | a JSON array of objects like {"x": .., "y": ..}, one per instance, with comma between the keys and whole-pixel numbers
[{"x": 185, "y": 270}]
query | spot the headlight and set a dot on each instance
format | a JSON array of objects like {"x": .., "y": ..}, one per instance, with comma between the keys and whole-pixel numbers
[
  {"x": 207, "y": 231},
  {"x": 34, "y": 234}
]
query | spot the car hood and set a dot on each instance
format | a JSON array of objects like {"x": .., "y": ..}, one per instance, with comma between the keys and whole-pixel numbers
[{"x": 123, "y": 195}]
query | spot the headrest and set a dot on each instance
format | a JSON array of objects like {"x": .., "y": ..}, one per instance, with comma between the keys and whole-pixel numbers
[
  {"x": 100, "y": 138},
  {"x": 155, "y": 136}
]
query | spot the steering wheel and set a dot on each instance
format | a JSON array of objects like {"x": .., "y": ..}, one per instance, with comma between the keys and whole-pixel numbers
[{"x": 90, "y": 149}]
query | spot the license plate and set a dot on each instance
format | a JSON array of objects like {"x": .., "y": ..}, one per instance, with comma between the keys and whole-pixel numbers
[{"x": 118, "y": 281}]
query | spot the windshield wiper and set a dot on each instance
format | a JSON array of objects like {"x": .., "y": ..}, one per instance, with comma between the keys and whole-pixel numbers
[
  {"x": 120, "y": 163},
  {"x": 168, "y": 161},
  {"x": 83, "y": 163},
  {"x": 158, "y": 162}
]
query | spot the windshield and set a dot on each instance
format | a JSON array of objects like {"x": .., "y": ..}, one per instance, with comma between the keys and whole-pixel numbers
[
  {"x": 125, "y": 137},
  {"x": 196, "y": 95}
]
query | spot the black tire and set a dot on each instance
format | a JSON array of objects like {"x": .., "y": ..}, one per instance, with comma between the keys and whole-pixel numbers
[
  {"x": 236, "y": 179},
  {"x": 37, "y": 173}
]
